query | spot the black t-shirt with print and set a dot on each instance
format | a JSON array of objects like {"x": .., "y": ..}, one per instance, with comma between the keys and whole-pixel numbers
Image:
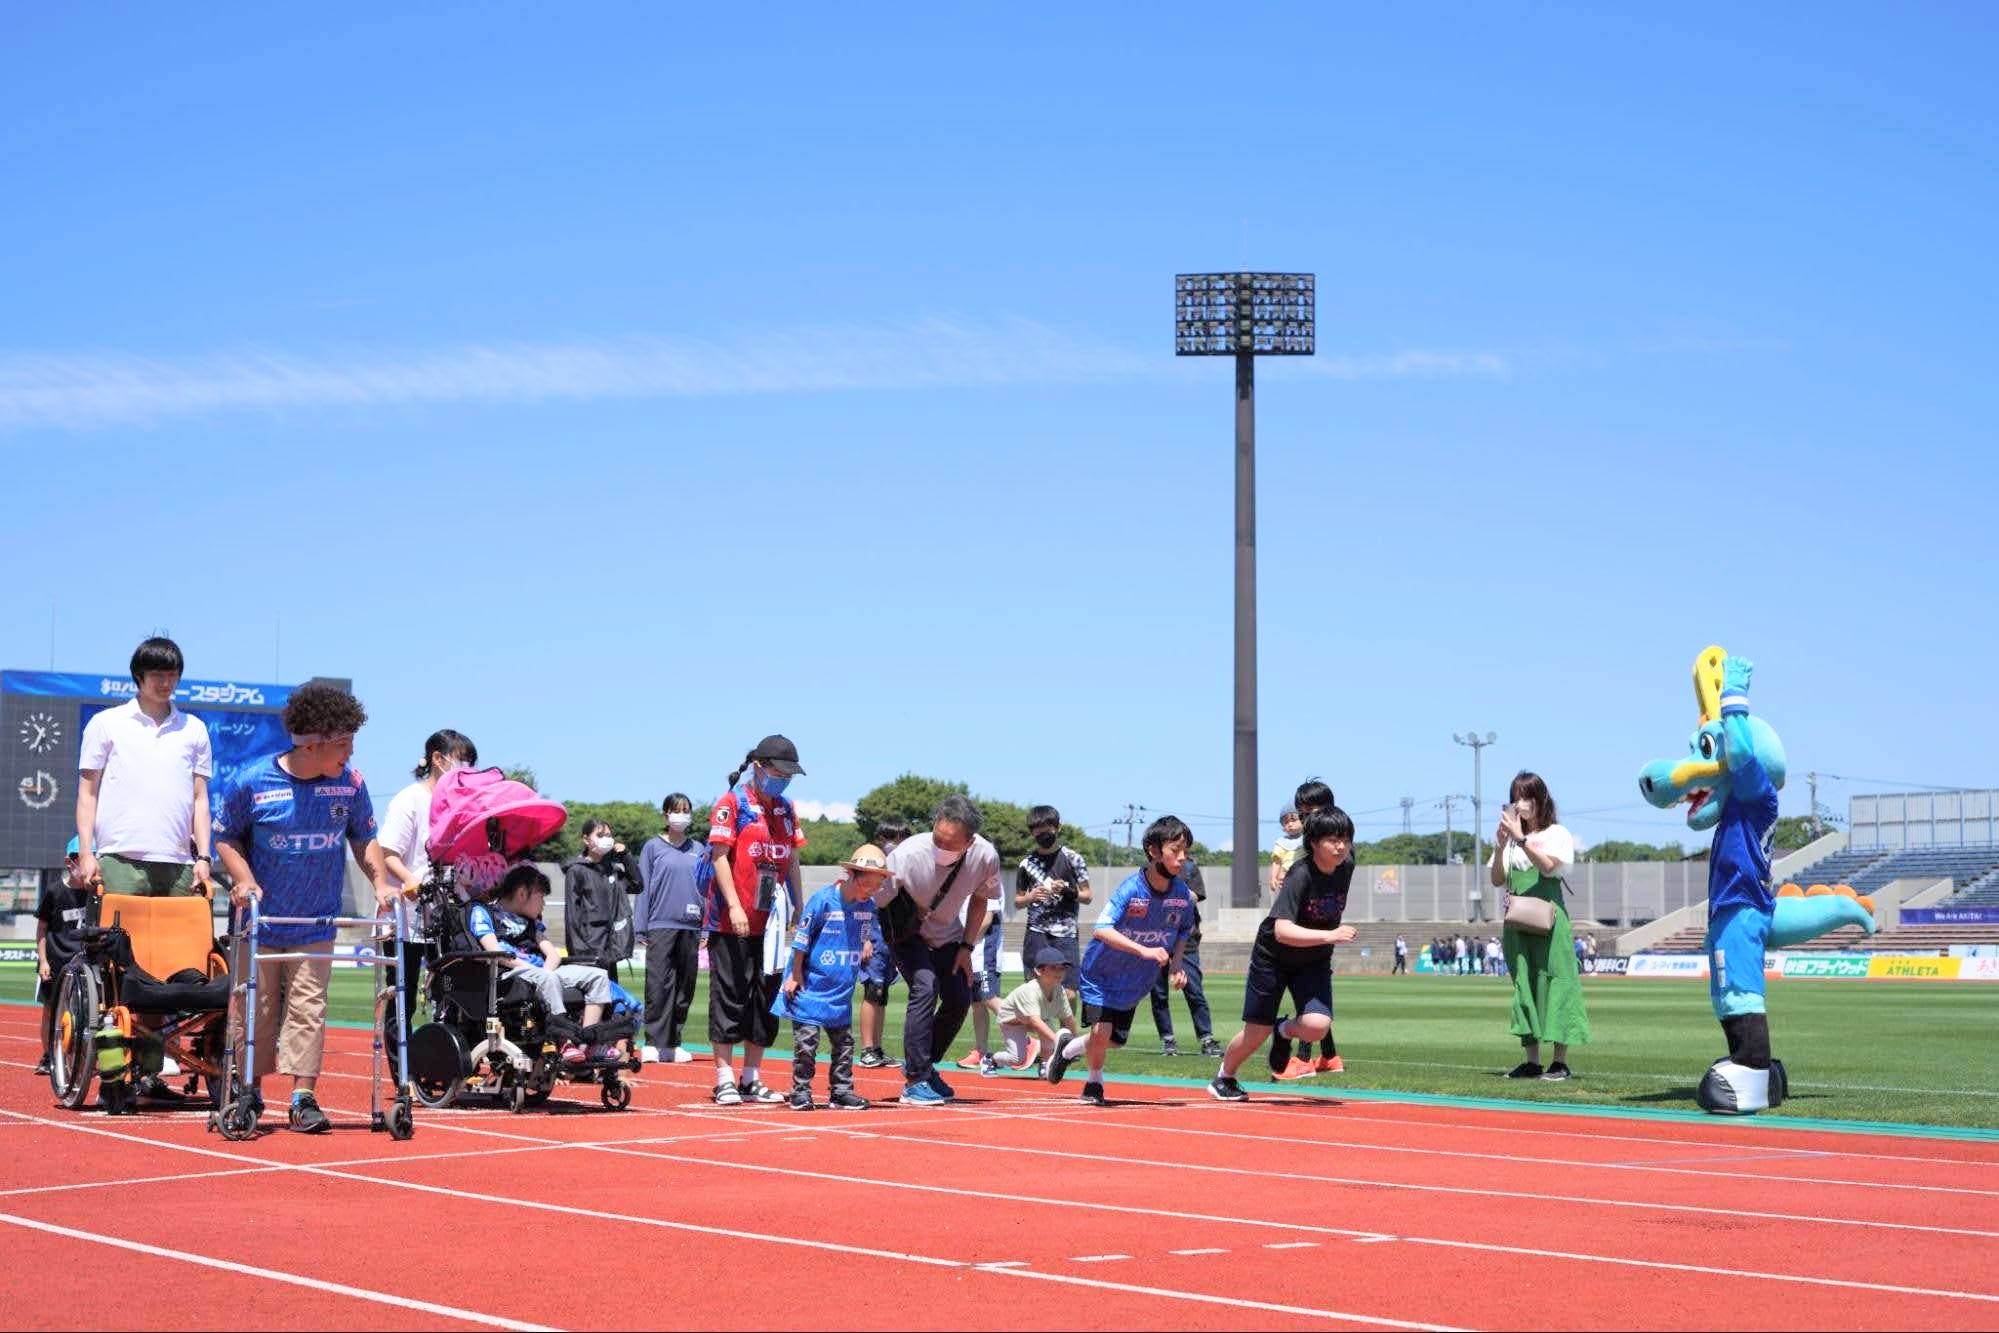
[
  {"x": 64, "y": 911},
  {"x": 1310, "y": 899},
  {"x": 1055, "y": 918}
]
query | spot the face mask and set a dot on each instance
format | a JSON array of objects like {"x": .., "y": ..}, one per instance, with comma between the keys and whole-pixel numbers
[
  {"x": 678, "y": 824},
  {"x": 942, "y": 857},
  {"x": 1159, "y": 867},
  {"x": 772, "y": 784},
  {"x": 1045, "y": 840},
  {"x": 602, "y": 844}
]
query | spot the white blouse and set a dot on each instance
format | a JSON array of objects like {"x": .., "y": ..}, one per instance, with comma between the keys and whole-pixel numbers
[{"x": 1553, "y": 840}]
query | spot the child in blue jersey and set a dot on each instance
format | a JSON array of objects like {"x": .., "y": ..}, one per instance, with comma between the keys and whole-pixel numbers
[
  {"x": 818, "y": 994},
  {"x": 1143, "y": 927},
  {"x": 878, "y": 964},
  {"x": 284, "y": 831},
  {"x": 512, "y": 924},
  {"x": 1293, "y": 954}
]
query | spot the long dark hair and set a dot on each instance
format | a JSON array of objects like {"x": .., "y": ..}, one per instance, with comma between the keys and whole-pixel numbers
[
  {"x": 451, "y": 744},
  {"x": 1529, "y": 787},
  {"x": 737, "y": 776}
]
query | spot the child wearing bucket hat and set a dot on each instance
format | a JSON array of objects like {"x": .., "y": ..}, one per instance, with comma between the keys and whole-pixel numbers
[
  {"x": 1033, "y": 1010},
  {"x": 818, "y": 993}
]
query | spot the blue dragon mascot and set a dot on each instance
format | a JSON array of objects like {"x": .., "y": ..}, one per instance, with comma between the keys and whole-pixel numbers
[{"x": 1730, "y": 780}]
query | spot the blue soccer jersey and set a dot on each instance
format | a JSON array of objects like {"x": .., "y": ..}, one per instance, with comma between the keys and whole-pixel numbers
[
  {"x": 1114, "y": 979},
  {"x": 294, "y": 833},
  {"x": 830, "y": 933},
  {"x": 519, "y": 935},
  {"x": 1739, "y": 860}
]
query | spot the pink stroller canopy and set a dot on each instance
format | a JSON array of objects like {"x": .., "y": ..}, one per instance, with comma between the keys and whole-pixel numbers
[{"x": 465, "y": 799}]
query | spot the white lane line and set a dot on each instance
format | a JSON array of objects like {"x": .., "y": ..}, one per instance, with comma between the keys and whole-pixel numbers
[
  {"x": 1096, "y": 1258},
  {"x": 1190, "y": 1252},
  {"x": 1373, "y": 1240},
  {"x": 1003, "y": 1263},
  {"x": 1460, "y": 1190},
  {"x": 276, "y": 1275},
  {"x": 1291, "y": 1245},
  {"x": 800, "y": 1242}
]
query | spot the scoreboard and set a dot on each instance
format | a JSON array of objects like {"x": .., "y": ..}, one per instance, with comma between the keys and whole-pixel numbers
[{"x": 42, "y": 717}]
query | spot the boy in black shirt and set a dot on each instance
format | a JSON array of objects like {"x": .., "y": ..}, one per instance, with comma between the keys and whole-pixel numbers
[
  {"x": 1051, "y": 884},
  {"x": 60, "y": 915},
  {"x": 1294, "y": 953}
]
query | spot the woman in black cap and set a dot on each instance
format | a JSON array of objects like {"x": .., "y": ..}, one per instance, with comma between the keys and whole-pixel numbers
[{"x": 752, "y": 838}]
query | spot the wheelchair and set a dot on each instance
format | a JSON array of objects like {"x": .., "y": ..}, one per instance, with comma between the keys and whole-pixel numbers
[{"x": 150, "y": 983}]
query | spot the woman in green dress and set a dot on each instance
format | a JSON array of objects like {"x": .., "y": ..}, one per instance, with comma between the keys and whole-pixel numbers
[{"x": 1530, "y": 855}]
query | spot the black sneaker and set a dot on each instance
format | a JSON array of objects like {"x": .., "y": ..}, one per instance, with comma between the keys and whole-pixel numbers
[
  {"x": 306, "y": 1117},
  {"x": 1280, "y": 1048},
  {"x": 1093, "y": 1093},
  {"x": 42, "y": 1067},
  {"x": 1558, "y": 1072},
  {"x": 1525, "y": 1069},
  {"x": 1058, "y": 1063},
  {"x": 847, "y": 1101},
  {"x": 1211, "y": 1047},
  {"x": 801, "y": 1100},
  {"x": 1168, "y": 1046},
  {"x": 1226, "y": 1089}
]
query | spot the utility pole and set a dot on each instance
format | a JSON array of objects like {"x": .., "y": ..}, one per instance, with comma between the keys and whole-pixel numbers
[
  {"x": 1449, "y": 802},
  {"x": 1818, "y": 829},
  {"x": 1408, "y": 802},
  {"x": 1471, "y": 738}
]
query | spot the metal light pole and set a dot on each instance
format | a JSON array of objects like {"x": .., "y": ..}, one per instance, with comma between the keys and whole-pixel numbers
[
  {"x": 1471, "y": 738},
  {"x": 1244, "y": 315}
]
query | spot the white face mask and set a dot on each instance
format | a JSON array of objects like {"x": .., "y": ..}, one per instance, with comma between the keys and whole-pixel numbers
[
  {"x": 679, "y": 824},
  {"x": 942, "y": 857},
  {"x": 601, "y": 844}
]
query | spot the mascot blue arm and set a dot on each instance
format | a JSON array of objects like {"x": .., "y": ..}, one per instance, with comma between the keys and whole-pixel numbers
[{"x": 1730, "y": 779}]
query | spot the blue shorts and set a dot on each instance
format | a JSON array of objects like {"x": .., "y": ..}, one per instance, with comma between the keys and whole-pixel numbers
[{"x": 1735, "y": 944}]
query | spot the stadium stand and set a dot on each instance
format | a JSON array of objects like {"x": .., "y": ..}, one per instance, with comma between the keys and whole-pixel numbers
[{"x": 1964, "y": 864}]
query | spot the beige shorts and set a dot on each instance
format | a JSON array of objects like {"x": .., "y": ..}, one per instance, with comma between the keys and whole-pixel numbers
[{"x": 291, "y": 1011}]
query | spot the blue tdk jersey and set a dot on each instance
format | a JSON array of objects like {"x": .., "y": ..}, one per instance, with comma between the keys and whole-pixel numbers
[
  {"x": 1114, "y": 979},
  {"x": 1739, "y": 861},
  {"x": 294, "y": 832}
]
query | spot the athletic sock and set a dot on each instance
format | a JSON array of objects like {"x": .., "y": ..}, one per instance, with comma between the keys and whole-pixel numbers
[
  {"x": 1326, "y": 1046},
  {"x": 1076, "y": 1046},
  {"x": 751, "y": 1068},
  {"x": 1097, "y": 1072},
  {"x": 724, "y": 1074}
]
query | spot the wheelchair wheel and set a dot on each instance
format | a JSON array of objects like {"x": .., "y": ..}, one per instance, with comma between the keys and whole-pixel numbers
[
  {"x": 73, "y": 1051},
  {"x": 402, "y": 1124},
  {"x": 617, "y": 1093},
  {"x": 516, "y": 1095},
  {"x": 538, "y": 1094},
  {"x": 238, "y": 1121},
  {"x": 437, "y": 1093}
]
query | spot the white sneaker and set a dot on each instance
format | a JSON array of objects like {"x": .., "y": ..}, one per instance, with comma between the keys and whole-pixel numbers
[
  {"x": 682, "y": 1056},
  {"x": 168, "y": 1067},
  {"x": 650, "y": 1055}
]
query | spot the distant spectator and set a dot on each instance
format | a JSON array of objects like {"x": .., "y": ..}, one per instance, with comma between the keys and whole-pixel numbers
[
  {"x": 674, "y": 877},
  {"x": 1050, "y": 887},
  {"x": 1190, "y": 965},
  {"x": 1531, "y": 852},
  {"x": 142, "y": 813},
  {"x": 1401, "y": 955},
  {"x": 405, "y": 839},
  {"x": 1290, "y": 837}
]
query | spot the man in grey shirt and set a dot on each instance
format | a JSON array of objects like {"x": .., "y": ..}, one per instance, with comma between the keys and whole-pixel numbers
[{"x": 950, "y": 867}]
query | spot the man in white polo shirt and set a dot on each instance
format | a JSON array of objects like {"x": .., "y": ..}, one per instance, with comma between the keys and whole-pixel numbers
[{"x": 142, "y": 819}]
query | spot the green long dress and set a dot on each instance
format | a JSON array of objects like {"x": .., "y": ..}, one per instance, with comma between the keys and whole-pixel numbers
[{"x": 1547, "y": 988}]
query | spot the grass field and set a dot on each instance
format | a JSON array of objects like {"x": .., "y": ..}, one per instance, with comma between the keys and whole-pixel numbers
[{"x": 1915, "y": 1052}]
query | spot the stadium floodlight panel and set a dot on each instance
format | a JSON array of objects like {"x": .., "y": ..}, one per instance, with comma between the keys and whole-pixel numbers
[{"x": 1264, "y": 314}]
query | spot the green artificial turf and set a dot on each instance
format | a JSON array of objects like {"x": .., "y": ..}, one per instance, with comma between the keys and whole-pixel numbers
[{"x": 1912, "y": 1052}]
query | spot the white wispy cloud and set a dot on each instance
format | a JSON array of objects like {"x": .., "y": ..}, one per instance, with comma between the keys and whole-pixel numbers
[
  {"x": 88, "y": 391},
  {"x": 841, "y": 812}
]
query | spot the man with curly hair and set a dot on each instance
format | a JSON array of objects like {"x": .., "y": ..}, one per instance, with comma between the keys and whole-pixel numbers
[{"x": 287, "y": 824}]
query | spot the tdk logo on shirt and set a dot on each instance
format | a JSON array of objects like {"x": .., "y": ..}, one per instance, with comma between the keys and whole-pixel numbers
[
  {"x": 302, "y": 842},
  {"x": 839, "y": 957}
]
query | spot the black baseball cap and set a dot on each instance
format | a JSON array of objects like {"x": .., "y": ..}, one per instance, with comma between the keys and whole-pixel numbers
[{"x": 779, "y": 755}]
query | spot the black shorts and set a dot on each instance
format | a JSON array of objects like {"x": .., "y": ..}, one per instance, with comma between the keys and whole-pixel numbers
[
  {"x": 1119, "y": 1019},
  {"x": 1310, "y": 989},
  {"x": 739, "y": 995},
  {"x": 1034, "y": 942}
]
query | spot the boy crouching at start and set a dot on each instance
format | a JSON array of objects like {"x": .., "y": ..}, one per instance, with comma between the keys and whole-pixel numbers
[
  {"x": 826, "y": 954},
  {"x": 1143, "y": 928},
  {"x": 1031, "y": 1012}
]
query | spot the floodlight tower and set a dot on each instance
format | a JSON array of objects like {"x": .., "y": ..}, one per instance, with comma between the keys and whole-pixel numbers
[
  {"x": 1244, "y": 315},
  {"x": 1472, "y": 739}
]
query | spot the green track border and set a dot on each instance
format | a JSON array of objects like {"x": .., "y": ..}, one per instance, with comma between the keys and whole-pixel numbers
[{"x": 1656, "y": 1115}]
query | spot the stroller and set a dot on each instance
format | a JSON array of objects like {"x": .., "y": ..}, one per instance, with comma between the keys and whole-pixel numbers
[{"x": 490, "y": 1034}]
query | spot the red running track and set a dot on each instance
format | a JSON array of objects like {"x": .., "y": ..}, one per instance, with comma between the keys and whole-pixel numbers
[{"x": 1018, "y": 1207}]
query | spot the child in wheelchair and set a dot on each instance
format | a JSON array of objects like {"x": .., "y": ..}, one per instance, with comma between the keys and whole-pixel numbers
[{"x": 511, "y": 923}]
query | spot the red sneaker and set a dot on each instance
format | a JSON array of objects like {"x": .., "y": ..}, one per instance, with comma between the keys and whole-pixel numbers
[
  {"x": 1296, "y": 1070},
  {"x": 1329, "y": 1064}
]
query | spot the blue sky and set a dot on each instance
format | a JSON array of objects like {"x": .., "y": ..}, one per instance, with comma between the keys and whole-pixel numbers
[{"x": 620, "y": 389}]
